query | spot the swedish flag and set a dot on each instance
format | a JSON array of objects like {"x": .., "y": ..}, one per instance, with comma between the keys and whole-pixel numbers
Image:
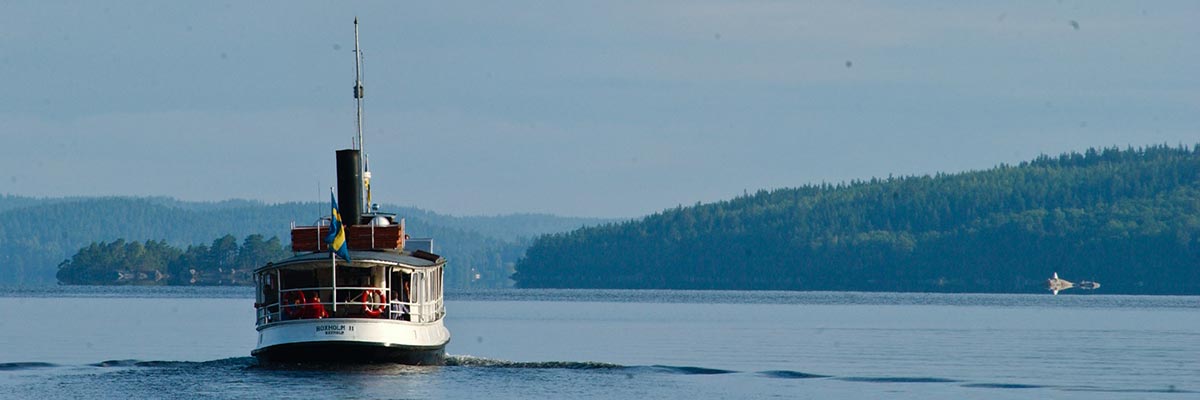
[{"x": 337, "y": 235}]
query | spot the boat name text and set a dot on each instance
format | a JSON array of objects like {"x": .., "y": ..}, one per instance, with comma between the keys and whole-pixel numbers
[{"x": 334, "y": 329}]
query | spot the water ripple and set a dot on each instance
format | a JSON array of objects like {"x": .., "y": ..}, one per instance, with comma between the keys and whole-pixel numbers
[
  {"x": 1001, "y": 386},
  {"x": 791, "y": 375},
  {"x": 691, "y": 370},
  {"x": 250, "y": 363},
  {"x": 896, "y": 379},
  {"x": 18, "y": 366}
]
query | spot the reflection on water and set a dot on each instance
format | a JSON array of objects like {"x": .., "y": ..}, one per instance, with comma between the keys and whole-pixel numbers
[{"x": 627, "y": 344}]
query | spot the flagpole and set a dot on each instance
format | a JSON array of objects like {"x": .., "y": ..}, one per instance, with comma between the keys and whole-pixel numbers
[
  {"x": 333, "y": 260},
  {"x": 333, "y": 263}
]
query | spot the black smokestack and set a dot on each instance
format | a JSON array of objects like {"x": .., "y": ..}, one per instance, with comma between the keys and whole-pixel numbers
[{"x": 350, "y": 186}]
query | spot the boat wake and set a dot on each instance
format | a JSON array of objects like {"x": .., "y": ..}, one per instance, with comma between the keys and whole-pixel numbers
[
  {"x": 224, "y": 362},
  {"x": 472, "y": 361}
]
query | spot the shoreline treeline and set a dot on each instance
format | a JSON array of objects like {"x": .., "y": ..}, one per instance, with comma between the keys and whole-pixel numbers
[
  {"x": 36, "y": 234},
  {"x": 158, "y": 263},
  {"x": 1127, "y": 218}
]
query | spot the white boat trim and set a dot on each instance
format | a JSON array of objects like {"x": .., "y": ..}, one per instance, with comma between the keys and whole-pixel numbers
[{"x": 381, "y": 331}]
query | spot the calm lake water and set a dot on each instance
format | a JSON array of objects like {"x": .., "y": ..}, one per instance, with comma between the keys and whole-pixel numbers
[{"x": 100, "y": 342}]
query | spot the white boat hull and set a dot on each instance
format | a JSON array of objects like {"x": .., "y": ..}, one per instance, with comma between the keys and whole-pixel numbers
[{"x": 353, "y": 340}]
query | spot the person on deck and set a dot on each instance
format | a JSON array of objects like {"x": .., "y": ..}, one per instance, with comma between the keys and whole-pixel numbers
[
  {"x": 316, "y": 309},
  {"x": 404, "y": 297},
  {"x": 296, "y": 307}
]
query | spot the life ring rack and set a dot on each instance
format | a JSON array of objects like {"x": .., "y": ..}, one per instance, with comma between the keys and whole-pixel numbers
[{"x": 371, "y": 308}]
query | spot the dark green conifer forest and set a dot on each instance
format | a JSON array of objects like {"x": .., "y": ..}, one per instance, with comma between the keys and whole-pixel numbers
[
  {"x": 158, "y": 263},
  {"x": 38, "y": 234},
  {"x": 1129, "y": 219}
]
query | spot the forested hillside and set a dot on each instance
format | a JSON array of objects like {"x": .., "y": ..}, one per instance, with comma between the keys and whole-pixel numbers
[
  {"x": 158, "y": 263},
  {"x": 1129, "y": 219},
  {"x": 38, "y": 234}
]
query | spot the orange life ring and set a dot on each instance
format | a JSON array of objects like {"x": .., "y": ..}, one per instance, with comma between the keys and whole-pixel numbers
[{"x": 373, "y": 310}]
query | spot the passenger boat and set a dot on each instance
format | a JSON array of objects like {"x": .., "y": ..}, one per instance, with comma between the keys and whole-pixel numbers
[{"x": 377, "y": 299}]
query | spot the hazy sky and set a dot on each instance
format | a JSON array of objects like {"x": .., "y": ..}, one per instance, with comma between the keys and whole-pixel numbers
[{"x": 611, "y": 108}]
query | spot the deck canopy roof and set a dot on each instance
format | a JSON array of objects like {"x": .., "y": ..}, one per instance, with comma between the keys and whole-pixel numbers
[{"x": 411, "y": 260}]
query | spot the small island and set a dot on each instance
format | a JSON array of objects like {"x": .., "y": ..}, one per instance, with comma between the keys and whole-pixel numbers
[{"x": 158, "y": 263}]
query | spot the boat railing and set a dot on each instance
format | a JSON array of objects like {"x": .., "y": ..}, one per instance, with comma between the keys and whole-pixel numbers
[
  {"x": 354, "y": 307},
  {"x": 417, "y": 312}
]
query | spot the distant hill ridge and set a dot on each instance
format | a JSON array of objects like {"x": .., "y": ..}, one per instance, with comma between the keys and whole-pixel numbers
[
  {"x": 1127, "y": 218},
  {"x": 36, "y": 234}
]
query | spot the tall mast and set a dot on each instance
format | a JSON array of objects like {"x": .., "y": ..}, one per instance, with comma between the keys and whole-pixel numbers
[
  {"x": 358, "y": 100},
  {"x": 358, "y": 87}
]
